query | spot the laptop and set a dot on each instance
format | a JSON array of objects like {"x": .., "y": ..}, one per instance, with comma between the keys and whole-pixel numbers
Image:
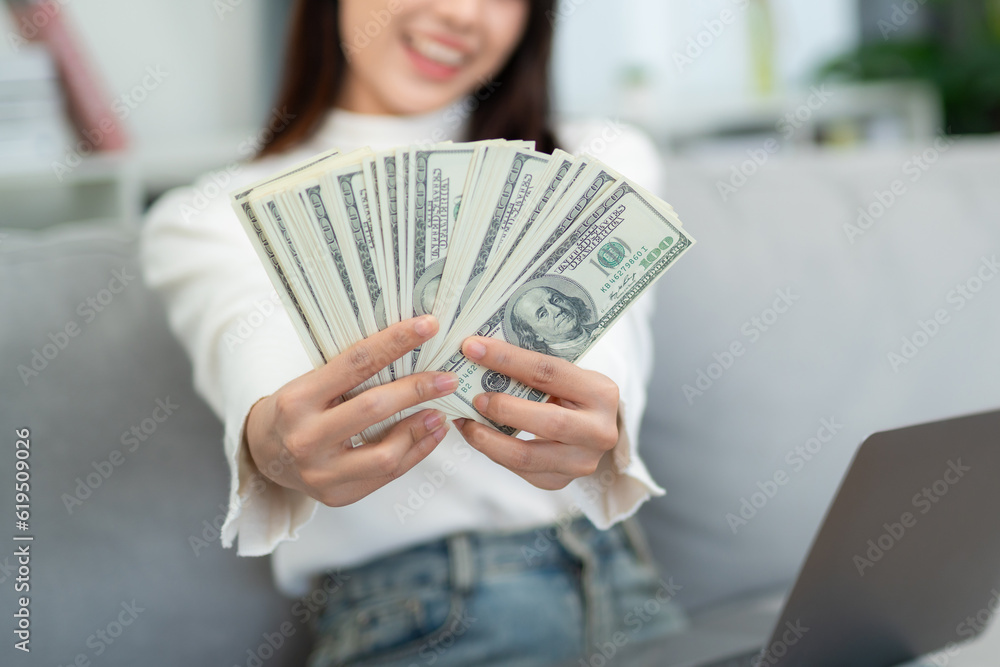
[{"x": 908, "y": 553}]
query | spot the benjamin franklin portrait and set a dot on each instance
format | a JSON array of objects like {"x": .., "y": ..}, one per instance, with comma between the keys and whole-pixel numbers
[
  {"x": 546, "y": 320},
  {"x": 426, "y": 289}
]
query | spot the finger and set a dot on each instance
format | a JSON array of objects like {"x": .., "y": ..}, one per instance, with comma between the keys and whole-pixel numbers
[
  {"x": 380, "y": 403},
  {"x": 549, "y": 481},
  {"x": 527, "y": 457},
  {"x": 540, "y": 371},
  {"x": 372, "y": 466},
  {"x": 420, "y": 446},
  {"x": 390, "y": 457},
  {"x": 367, "y": 357},
  {"x": 545, "y": 420}
]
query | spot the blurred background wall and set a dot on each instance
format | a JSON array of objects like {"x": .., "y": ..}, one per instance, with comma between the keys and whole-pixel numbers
[{"x": 698, "y": 75}]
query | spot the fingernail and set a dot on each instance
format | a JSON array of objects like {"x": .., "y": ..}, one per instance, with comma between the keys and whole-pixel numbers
[
  {"x": 446, "y": 382},
  {"x": 474, "y": 349},
  {"x": 459, "y": 423},
  {"x": 424, "y": 325},
  {"x": 434, "y": 420},
  {"x": 481, "y": 402},
  {"x": 439, "y": 434}
]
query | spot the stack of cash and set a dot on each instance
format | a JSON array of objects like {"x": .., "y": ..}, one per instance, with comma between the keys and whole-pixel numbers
[{"x": 492, "y": 238}]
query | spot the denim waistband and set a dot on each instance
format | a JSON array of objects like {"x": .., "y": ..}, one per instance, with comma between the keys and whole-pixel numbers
[{"x": 457, "y": 561}]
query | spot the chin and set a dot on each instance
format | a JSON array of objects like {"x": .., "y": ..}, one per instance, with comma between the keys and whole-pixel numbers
[
  {"x": 416, "y": 107},
  {"x": 417, "y": 99}
]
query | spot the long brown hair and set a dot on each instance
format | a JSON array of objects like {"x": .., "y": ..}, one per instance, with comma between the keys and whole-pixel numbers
[{"x": 516, "y": 108}]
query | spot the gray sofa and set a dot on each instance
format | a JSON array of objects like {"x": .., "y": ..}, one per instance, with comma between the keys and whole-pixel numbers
[
  {"x": 820, "y": 301},
  {"x": 126, "y": 568},
  {"x": 134, "y": 528}
]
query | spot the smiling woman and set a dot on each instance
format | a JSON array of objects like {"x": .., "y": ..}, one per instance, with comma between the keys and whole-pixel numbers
[
  {"x": 392, "y": 74},
  {"x": 374, "y": 57},
  {"x": 435, "y": 545}
]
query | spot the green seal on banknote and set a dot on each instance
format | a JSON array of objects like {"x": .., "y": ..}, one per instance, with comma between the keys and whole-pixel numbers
[{"x": 611, "y": 254}]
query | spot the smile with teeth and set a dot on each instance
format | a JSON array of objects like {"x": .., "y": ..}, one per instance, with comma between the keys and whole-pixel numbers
[{"x": 436, "y": 51}]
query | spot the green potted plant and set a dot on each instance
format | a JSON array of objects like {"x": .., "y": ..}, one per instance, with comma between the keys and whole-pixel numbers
[{"x": 959, "y": 54}]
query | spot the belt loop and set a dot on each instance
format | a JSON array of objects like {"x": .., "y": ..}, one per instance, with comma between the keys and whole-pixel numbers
[
  {"x": 597, "y": 601},
  {"x": 462, "y": 563},
  {"x": 637, "y": 537}
]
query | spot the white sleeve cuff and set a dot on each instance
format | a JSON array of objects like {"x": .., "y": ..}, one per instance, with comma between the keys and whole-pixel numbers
[
  {"x": 262, "y": 513},
  {"x": 619, "y": 486}
]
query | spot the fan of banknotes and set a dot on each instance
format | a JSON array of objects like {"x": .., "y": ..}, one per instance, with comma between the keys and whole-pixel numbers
[{"x": 491, "y": 237}]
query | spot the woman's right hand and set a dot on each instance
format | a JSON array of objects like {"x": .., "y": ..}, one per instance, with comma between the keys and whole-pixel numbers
[{"x": 300, "y": 436}]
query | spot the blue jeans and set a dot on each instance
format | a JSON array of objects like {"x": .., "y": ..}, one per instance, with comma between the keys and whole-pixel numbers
[{"x": 540, "y": 597}]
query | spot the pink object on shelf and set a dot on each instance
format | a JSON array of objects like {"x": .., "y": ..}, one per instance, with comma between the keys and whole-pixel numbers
[{"x": 88, "y": 101}]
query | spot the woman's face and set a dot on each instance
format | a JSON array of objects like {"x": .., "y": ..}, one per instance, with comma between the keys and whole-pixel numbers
[{"x": 415, "y": 56}]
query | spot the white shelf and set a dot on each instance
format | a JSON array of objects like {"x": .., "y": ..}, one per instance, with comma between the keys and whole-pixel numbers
[
  {"x": 36, "y": 194},
  {"x": 903, "y": 111},
  {"x": 167, "y": 164}
]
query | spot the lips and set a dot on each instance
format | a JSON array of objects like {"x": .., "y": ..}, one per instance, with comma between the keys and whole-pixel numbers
[
  {"x": 435, "y": 58},
  {"x": 437, "y": 51}
]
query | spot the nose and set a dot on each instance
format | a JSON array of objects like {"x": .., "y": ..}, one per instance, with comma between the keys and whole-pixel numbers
[{"x": 459, "y": 13}]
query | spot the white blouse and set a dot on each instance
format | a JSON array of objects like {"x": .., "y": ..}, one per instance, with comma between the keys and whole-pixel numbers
[{"x": 243, "y": 347}]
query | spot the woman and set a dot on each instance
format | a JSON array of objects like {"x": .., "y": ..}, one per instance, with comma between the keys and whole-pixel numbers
[{"x": 438, "y": 545}]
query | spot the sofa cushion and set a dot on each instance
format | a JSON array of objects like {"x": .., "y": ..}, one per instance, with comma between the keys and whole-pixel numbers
[
  {"x": 787, "y": 337},
  {"x": 128, "y": 474}
]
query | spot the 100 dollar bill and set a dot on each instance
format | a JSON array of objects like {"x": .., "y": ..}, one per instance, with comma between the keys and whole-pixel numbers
[{"x": 578, "y": 291}]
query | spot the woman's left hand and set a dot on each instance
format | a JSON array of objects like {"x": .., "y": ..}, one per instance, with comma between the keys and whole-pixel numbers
[{"x": 574, "y": 429}]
